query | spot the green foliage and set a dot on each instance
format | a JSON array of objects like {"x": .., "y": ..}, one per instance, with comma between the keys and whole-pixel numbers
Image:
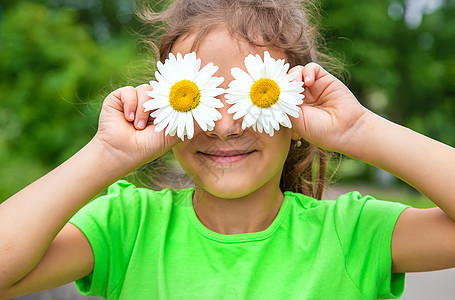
[
  {"x": 404, "y": 73},
  {"x": 53, "y": 77}
]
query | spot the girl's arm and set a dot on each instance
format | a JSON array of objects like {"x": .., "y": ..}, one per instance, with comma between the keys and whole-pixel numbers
[
  {"x": 31, "y": 219},
  {"x": 333, "y": 119},
  {"x": 425, "y": 164},
  {"x": 423, "y": 239},
  {"x": 31, "y": 257}
]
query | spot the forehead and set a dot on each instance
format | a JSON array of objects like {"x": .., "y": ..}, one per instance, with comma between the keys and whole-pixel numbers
[{"x": 220, "y": 48}]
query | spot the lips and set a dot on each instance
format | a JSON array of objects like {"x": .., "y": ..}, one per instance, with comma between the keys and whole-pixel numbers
[{"x": 227, "y": 156}]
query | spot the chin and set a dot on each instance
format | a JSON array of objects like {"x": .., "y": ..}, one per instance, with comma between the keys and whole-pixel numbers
[{"x": 229, "y": 189}]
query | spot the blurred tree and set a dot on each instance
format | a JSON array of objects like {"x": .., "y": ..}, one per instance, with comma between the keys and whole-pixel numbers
[
  {"x": 51, "y": 75},
  {"x": 106, "y": 18},
  {"x": 401, "y": 70}
]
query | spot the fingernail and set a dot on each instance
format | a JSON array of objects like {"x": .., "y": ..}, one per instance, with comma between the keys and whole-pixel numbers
[
  {"x": 141, "y": 124},
  {"x": 131, "y": 115},
  {"x": 307, "y": 78}
]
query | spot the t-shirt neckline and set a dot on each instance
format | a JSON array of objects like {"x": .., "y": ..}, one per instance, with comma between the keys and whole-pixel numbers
[{"x": 241, "y": 237}]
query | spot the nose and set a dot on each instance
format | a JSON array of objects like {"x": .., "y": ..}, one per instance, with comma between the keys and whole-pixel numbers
[{"x": 226, "y": 127}]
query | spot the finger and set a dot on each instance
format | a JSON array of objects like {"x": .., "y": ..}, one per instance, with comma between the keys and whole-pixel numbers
[
  {"x": 298, "y": 70},
  {"x": 129, "y": 99},
  {"x": 142, "y": 117},
  {"x": 311, "y": 72}
]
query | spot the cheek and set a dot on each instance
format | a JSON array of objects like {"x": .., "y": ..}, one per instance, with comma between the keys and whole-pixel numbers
[
  {"x": 181, "y": 155},
  {"x": 280, "y": 142},
  {"x": 188, "y": 160}
]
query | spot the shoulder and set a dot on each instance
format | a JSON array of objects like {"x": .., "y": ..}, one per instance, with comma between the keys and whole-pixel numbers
[
  {"x": 348, "y": 208},
  {"x": 125, "y": 200},
  {"x": 124, "y": 190},
  {"x": 345, "y": 201},
  {"x": 124, "y": 187}
]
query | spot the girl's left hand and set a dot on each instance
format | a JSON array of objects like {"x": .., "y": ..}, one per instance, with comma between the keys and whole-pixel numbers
[{"x": 330, "y": 115}]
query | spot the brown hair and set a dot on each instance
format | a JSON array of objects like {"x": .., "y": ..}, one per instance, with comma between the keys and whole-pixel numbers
[{"x": 288, "y": 25}]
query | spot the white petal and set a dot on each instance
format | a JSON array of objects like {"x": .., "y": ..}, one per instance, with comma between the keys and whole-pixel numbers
[
  {"x": 155, "y": 103},
  {"x": 154, "y": 84},
  {"x": 286, "y": 122},
  {"x": 266, "y": 117},
  {"x": 282, "y": 72},
  {"x": 241, "y": 76},
  {"x": 210, "y": 112},
  {"x": 160, "y": 126},
  {"x": 211, "y": 83},
  {"x": 237, "y": 93},
  {"x": 212, "y": 92},
  {"x": 160, "y": 91},
  {"x": 290, "y": 111},
  {"x": 179, "y": 57},
  {"x": 267, "y": 58},
  {"x": 288, "y": 78},
  {"x": 240, "y": 86},
  {"x": 263, "y": 67},
  {"x": 189, "y": 125},
  {"x": 212, "y": 102},
  {"x": 173, "y": 132},
  {"x": 169, "y": 70},
  {"x": 252, "y": 116},
  {"x": 172, "y": 123},
  {"x": 163, "y": 80},
  {"x": 193, "y": 70},
  {"x": 181, "y": 124},
  {"x": 269, "y": 64},
  {"x": 199, "y": 117},
  {"x": 252, "y": 66},
  {"x": 292, "y": 87},
  {"x": 232, "y": 99},
  {"x": 276, "y": 67},
  {"x": 291, "y": 99},
  {"x": 276, "y": 114},
  {"x": 205, "y": 73},
  {"x": 259, "y": 126},
  {"x": 239, "y": 114},
  {"x": 162, "y": 113},
  {"x": 240, "y": 109}
]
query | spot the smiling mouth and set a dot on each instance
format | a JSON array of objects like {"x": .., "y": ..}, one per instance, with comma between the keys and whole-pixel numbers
[{"x": 228, "y": 156}]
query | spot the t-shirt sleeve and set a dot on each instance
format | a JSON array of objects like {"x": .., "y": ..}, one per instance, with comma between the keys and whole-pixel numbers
[
  {"x": 110, "y": 225},
  {"x": 364, "y": 227}
]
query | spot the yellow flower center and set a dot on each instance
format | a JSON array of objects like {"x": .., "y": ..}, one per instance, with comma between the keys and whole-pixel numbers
[
  {"x": 264, "y": 93},
  {"x": 184, "y": 96}
]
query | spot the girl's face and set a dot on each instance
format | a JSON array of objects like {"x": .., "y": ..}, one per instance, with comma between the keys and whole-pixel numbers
[{"x": 229, "y": 162}]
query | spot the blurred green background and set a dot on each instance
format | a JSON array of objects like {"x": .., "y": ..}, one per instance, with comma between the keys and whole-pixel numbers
[{"x": 60, "y": 58}]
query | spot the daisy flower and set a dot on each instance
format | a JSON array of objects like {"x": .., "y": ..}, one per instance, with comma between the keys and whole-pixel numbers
[
  {"x": 264, "y": 96},
  {"x": 183, "y": 93}
]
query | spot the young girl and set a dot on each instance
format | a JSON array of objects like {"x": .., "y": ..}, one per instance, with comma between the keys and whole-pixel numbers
[{"x": 252, "y": 227}]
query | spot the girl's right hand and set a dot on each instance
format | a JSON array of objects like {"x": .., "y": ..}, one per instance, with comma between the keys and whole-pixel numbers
[{"x": 127, "y": 132}]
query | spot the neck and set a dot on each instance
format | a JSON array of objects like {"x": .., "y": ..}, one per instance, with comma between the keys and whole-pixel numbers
[{"x": 251, "y": 213}]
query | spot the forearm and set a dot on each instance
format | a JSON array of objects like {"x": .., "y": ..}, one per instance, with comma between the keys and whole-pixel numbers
[
  {"x": 30, "y": 220},
  {"x": 425, "y": 164}
]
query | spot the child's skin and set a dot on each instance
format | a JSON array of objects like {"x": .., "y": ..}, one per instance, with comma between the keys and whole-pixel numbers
[{"x": 246, "y": 197}]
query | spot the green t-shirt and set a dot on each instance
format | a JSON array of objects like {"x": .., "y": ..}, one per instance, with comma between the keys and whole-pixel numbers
[{"x": 151, "y": 245}]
